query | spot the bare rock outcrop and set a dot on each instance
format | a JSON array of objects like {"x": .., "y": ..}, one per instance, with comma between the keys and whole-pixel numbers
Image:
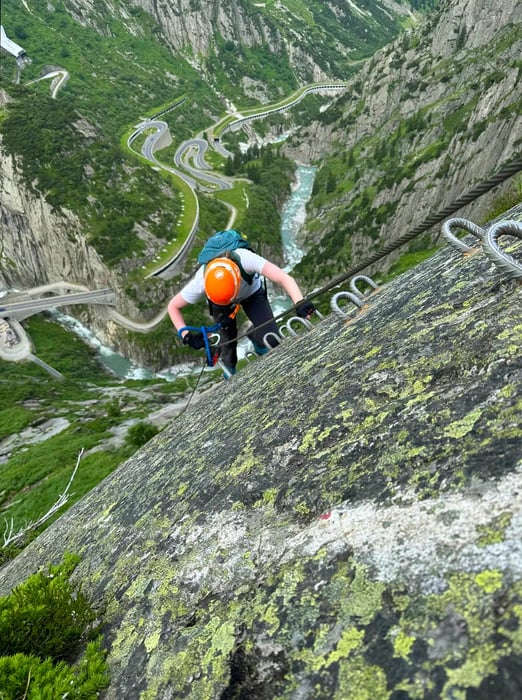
[
  {"x": 40, "y": 245},
  {"x": 342, "y": 519}
]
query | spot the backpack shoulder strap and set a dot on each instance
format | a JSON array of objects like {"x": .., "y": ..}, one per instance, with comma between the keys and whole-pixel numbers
[{"x": 247, "y": 276}]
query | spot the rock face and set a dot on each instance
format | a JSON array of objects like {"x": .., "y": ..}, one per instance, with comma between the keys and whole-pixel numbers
[
  {"x": 38, "y": 244},
  {"x": 342, "y": 519},
  {"x": 319, "y": 38}
]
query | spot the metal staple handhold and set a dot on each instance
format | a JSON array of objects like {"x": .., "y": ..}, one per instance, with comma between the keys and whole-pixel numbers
[
  {"x": 249, "y": 355},
  {"x": 468, "y": 226},
  {"x": 344, "y": 295},
  {"x": 363, "y": 278},
  {"x": 303, "y": 321},
  {"x": 271, "y": 335},
  {"x": 495, "y": 254}
]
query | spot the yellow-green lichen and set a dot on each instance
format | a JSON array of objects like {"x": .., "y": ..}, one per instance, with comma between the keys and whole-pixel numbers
[
  {"x": 268, "y": 498},
  {"x": 346, "y": 414},
  {"x": 326, "y": 432},
  {"x": 489, "y": 581},
  {"x": 464, "y": 425},
  {"x": 480, "y": 663},
  {"x": 309, "y": 440},
  {"x": 350, "y": 640},
  {"x": 270, "y": 617},
  {"x": 246, "y": 461},
  {"x": 152, "y": 640},
  {"x": 494, "y": 531},
  {"x": 374, "y": 351},
  {"x": 302, "y": 508},
  {"x": 182, "y": 488},
  {"x": 359, "y": 596},
  {"x": 402, "y": 644},
  {"x": 359, "y": 681}
]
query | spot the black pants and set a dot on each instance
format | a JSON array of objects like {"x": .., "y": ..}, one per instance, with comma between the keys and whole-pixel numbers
[{"x": 258, "y": 310}]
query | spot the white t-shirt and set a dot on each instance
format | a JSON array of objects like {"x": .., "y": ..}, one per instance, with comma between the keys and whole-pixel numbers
[{"x": 251, "y": 263}]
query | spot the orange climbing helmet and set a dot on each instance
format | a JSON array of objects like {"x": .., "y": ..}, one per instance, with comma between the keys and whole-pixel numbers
[{"x": 222, "y": 281}]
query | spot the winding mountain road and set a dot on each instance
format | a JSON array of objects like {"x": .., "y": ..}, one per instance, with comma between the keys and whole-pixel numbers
[
  {"x": 199, "y": 174},
  {"x": 191, "y": 168},
  {"x": 58, "y": 77}
]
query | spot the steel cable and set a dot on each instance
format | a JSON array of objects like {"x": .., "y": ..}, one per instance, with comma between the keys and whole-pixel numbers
[{"x": 506, "y": 171}]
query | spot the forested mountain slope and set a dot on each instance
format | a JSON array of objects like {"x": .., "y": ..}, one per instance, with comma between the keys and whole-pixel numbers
[
  {"x": 66, "y": 182},
  {"x": 428, "y": 116},
  {"x": 134, "y": 55},
  {"x": 343, "y": 518},
  {"x": 432, "y": 114}
]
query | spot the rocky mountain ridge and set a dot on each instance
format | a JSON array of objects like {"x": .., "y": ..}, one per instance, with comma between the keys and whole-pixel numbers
[
  {"x": 319, "y": 39},
  {"x": 427, "y": 118}
]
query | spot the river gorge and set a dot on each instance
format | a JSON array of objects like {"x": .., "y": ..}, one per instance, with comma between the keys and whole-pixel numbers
[{"x": 293, "y": 216}]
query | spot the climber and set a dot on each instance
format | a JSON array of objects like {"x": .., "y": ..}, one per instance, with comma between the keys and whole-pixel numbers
[{"x": 229, "y": 281}]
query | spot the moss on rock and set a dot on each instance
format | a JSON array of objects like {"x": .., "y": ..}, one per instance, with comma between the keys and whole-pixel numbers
[{"x": 342, "y": 519}]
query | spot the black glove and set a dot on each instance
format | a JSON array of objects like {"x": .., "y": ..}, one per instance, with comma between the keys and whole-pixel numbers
[
  {"x": 305, "y": 309},
  {"x": 226, "y": 322},
  {"x": 194, "y": 340}
]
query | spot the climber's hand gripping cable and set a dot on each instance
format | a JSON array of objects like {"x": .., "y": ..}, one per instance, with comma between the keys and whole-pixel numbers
[{"x": 197, "y": 338}]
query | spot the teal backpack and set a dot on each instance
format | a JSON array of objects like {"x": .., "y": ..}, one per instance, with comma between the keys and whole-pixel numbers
[{"x": 222, "y": 244}]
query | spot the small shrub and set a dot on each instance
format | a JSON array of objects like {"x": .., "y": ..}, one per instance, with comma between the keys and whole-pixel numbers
[
  {"x": 140, "y": 433},
  {"x": 505, "y": 201},
  {"x": 46, "y": 616},
  {"x": 113, "y": 408},
  {"x": 33, "y": 678},
  {"x": 44, "y": 622}
]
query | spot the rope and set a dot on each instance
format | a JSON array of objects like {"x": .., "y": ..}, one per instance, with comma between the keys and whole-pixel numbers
[{"x": 191, "y": 394}]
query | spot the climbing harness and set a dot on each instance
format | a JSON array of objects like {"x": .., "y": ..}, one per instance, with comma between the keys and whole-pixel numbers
[
  {"x": 212, "y": 358},
  {"x": 234, "y": 312}
]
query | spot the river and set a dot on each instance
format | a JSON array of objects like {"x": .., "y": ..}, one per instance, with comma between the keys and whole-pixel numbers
[{"x": 292, "y": 218}]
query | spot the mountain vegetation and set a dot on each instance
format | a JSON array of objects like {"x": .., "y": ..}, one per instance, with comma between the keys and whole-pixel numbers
[
  {"x": 122, "y": 65},
  {"x": 301, "y": 545},
  {"x": 45, "y": 424},
  {"x": 423, "y": 121},
  {"x": 45, "y": 623},
  {"x": 350, "y": 529},
  {"x": 390, "y": 136}
]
